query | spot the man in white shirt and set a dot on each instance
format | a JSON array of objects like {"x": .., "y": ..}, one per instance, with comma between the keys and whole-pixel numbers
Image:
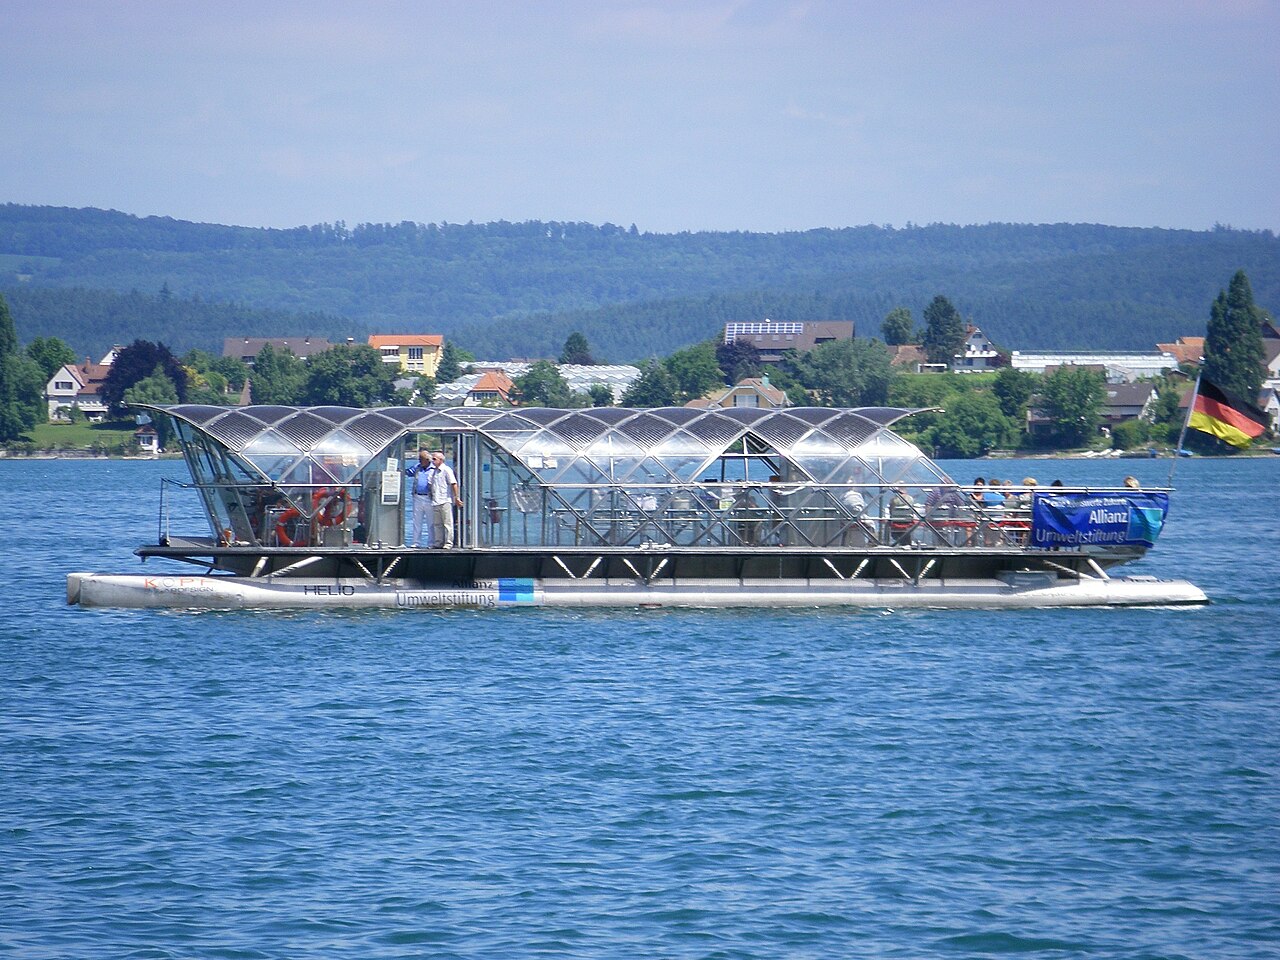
[{"x": 444, "y": 497}]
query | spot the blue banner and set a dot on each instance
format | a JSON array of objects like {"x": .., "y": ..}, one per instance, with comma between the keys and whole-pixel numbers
[{"x": 1103, "y": 519}]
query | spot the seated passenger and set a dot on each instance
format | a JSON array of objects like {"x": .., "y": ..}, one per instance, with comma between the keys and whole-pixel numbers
[
  {"x": 993, "y": 499},
  {"x": 860, "y": 531},
  {"x": 1024, "y": 499},
  {"x": 902, "y": 514},
  {"x": 943, "y": 498}
]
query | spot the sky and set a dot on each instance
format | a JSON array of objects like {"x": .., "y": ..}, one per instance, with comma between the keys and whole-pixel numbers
[{"x": 695, "y": 115}]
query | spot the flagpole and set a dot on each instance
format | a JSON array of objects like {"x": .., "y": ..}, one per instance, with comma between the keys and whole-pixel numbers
[{"x": 1191, "y": 405}]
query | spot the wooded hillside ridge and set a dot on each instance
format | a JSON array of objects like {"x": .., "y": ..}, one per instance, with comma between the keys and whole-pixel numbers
[{"x": 96, "y": 277}]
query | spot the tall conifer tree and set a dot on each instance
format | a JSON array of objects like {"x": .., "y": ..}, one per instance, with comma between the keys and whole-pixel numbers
[
  {"x": 944, "y": 331},
  {"x": 1233, "y": 352},
  {"x": 21, "y": 383}
]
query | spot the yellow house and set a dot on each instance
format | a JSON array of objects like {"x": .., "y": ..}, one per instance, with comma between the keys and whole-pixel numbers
[{"x": 415, "y": 352}]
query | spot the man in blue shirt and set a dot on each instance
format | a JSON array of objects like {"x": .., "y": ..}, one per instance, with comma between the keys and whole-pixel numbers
[{"x": 422, "y": 473}]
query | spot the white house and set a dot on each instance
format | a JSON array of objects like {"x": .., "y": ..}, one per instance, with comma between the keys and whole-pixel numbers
[
  {"x": 1271, "y": 357},
  {"x": 979, "y": 353},
  {"x": 1269, "y": 401},
  {"x": 79, "y": 385},
  {"x": 148, "y": 440}
]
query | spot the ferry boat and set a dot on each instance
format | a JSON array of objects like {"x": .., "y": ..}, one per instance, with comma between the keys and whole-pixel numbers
[{"x": 607, "y": 507}]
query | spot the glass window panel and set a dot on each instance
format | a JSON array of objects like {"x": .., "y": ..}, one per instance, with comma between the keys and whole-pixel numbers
[
  {"x": 236, "y": 429},
  {"x": 714, "y": 429},
  {"x": 304, "y": 429},
  {"x": 783, "y": 431},
  {"x": 646, "y": 429},
  {"x": 373, "y": 431},
  {"x": 579, "y": 429}
]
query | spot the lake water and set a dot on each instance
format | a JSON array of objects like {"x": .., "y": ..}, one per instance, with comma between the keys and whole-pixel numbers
[{"x": 635, "y": 784}]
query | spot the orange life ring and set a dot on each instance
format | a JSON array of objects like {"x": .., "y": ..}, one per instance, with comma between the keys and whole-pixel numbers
[
  {"x": 335, "y": 507},
  {"x": 282, "y": 526},
  {"x": 328, "y": 510}
]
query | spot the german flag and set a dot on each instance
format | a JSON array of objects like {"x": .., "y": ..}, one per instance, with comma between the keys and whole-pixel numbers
[{"x": 1230, "y": 419}]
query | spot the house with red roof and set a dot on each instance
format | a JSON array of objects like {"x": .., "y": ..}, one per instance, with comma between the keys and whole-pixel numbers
[
  {"x": 79, "y": 385},
  {"x": 415, "y": 353}
]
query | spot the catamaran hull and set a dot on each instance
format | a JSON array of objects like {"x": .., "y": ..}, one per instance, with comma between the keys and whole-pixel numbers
[{"x": 231, "y": 592}]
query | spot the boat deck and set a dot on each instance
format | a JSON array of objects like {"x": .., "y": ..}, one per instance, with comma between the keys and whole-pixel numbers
[{"x": 646, "y": 564}]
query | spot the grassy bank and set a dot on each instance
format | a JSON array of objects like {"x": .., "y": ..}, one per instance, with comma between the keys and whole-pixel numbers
[{"x": 111, "y": 438}]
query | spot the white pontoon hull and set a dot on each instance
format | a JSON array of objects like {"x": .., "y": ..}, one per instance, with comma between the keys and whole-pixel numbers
[{"x": 231, "y": 592}]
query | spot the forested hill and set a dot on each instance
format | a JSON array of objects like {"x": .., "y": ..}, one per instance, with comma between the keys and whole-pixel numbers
[{"x": 505, "y": 289}]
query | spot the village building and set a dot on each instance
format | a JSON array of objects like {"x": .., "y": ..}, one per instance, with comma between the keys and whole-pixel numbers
[
  {"x": 415, "y": 353},
  {"x": 1271, "y": 360},
  {"x": 617, "y": 377},
  {"x": 1270, "y": 404},
  {"x": 911, "y": 358},
  {"x": 147, "y": 439},
  {"x": 79, "y": 386},
  {"x": 1129, "y": 401},
  {"x": 246, "y": 349},
  {"x": 1117, "y": 367},
  {"x": 579, "y": 377},
  {"x": 487, "y": 388},
  {"x": 1122, "y": 402},
  {"x": 772, "y": 338},
  {"x": 1186, "y": 350},
  {"x": 753, "y": 392},
  {"x": 979, "y": 353}
]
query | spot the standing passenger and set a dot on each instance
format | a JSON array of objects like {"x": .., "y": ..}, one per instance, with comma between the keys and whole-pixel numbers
[
  {"x": 444, "y": 497},
  {"x": 421, "y": 474}
]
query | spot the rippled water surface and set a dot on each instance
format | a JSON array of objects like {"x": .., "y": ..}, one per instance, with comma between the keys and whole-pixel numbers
[{"x": 1070, "y": 783}]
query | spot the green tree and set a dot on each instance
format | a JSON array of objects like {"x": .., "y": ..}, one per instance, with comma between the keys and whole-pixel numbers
[
  {"x": 899, "y": 327},
  {"x": 1167, "y": 415},
  {"x": 206, "y": 380},
  {"x": 845, "y": 373},
  {"x": 22, "y": 383},
  {"x": 739, "y": 360},
  {"x": 655, "y": 387},
  {"x": 1013, "y": 388},
  {"x": 349, "y": 376},
  {"x": 695, "y": 370},
  {"x": 278, "y": 377},
  {"x": 1233, "y": 352},
  {"x": 155, "y": 389},
  {"x": 944, "y": 331},
  {"x": 1071, "y": 399},
  {"x": 972, "y": 426},
  {"x": 137, "y": 362},
  {"x": 424, "y": 391},
  {"x": 601, "y": 395},
  {"x": 449, "y": 368},
  {"x": 542, "y": 386},
  {"x": 1130, "y": 433},
  {"x": 231, "y": 370},
  {"x": 577, "y": 350},
  {"x": 50, "y": 354},
  {"x": 924, "y": 391}
]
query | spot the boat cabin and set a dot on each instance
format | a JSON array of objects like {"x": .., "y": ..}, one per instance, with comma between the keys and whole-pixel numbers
[{"x": 274, "y": 476}]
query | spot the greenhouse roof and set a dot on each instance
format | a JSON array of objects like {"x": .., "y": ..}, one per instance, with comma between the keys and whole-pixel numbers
[{"x": 272, "y": 437}]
